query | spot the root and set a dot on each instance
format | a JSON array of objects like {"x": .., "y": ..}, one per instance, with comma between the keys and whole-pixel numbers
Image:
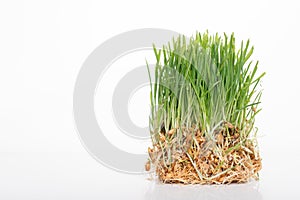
[{"x": 227, "y": 160}]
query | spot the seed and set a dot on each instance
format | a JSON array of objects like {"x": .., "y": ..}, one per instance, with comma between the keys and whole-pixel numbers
[
  {"x": 236, "y": 135},
  {"x": 221, "y": 179},
  {"x": 220, "y": 138},
  {"x": 190, "y": 152},
  {"x": 162, "y": 138},
  {"x": 172, "y": 131},
  {"x": 147, "y": 166}
]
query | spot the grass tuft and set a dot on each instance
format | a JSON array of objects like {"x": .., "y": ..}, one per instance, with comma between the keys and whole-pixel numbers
[{"x": 204, "y": 99}]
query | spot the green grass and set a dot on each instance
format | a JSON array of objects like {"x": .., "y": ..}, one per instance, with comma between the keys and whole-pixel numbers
[{"x": 201, "y": 83}]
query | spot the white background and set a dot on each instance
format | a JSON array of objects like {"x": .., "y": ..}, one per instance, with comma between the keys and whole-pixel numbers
[{"x": 42, "y": 47}]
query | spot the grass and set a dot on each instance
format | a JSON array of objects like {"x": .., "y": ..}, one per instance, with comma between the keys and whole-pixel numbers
[{"x": 204, "y": 93}]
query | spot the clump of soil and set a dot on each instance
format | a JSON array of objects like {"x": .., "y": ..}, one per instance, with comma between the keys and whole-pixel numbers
[{"x": 224, "y": 159}]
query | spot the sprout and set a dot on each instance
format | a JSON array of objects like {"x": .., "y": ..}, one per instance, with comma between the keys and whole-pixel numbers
[{"x": 204, "y": 100}]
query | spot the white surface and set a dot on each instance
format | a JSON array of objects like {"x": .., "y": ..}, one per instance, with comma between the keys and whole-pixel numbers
[
  {"x": 78, "y": 176},
  {"x": 44, "y": 43}
]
